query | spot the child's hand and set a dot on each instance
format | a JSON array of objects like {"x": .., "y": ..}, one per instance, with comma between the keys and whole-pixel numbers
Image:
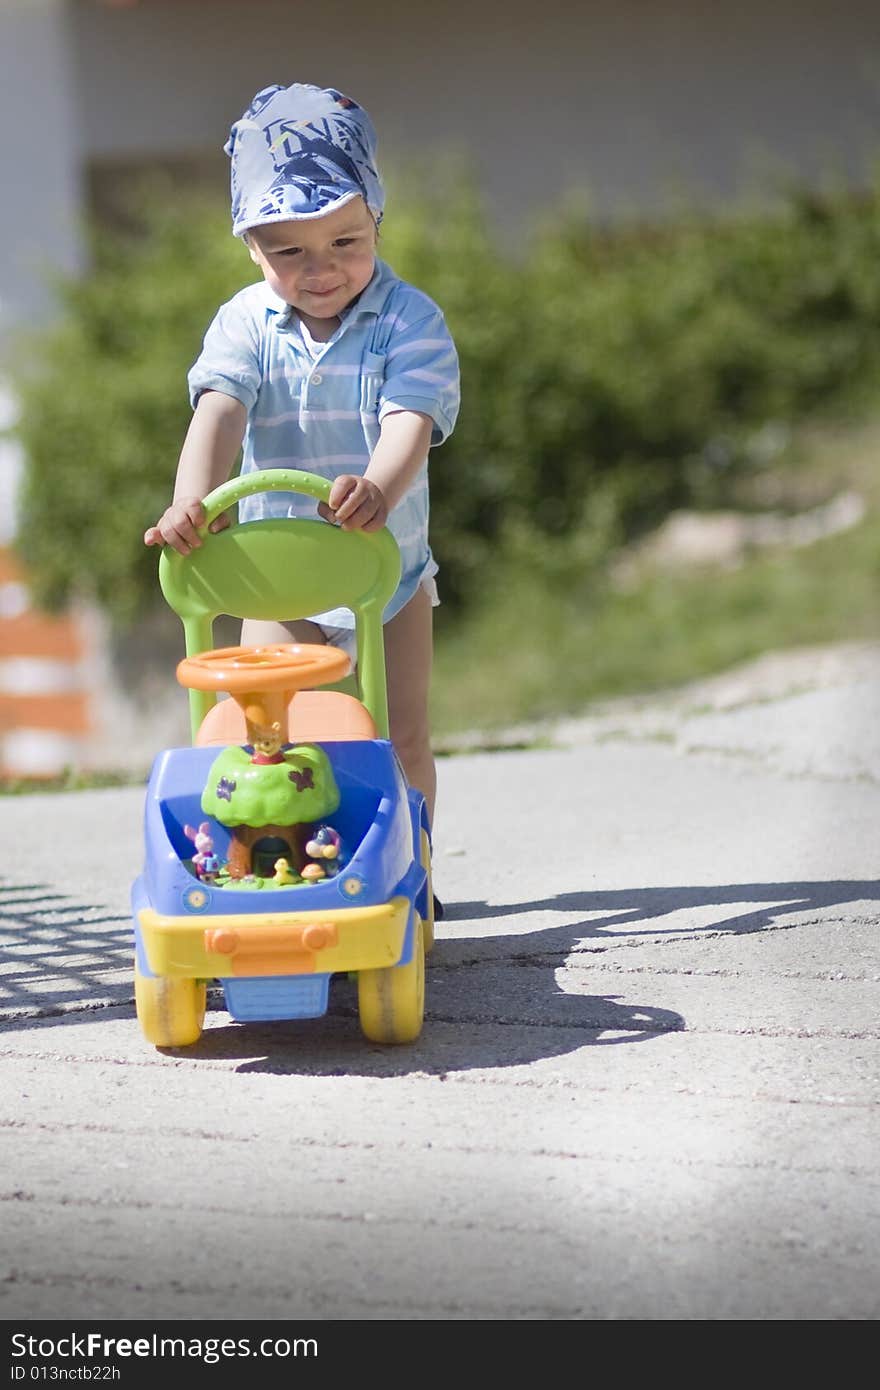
[
  {"x": 178, "y": 525},
  {"x": 355, "y": 504}
]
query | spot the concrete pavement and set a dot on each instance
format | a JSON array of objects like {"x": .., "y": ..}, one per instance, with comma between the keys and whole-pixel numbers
[{"x": 646, "y": 1088}]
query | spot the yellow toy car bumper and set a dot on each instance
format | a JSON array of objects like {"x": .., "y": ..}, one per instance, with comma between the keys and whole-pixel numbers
[{"x": 275, "y": 943}]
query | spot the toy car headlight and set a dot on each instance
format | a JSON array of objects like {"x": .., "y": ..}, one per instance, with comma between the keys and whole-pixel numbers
[{"x": 352, "y": 885}]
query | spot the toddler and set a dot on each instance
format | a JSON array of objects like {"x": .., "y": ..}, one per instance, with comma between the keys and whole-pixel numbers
[{"x": 329, "y": 363}]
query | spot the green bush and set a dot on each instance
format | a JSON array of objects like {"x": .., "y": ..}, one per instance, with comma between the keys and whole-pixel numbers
[
  {"x": 611, "y": 376},
  {"x": 104, "y": 403},
  {"x": 606, "y": 377}
]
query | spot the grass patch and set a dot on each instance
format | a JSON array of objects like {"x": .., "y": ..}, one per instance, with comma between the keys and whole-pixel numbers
[
  {"x": 538, "y": 649},
  {"x": 70, "y": 780}
]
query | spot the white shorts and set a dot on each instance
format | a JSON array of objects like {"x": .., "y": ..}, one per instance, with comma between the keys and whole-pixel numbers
[{"x": 345, "y": 638}]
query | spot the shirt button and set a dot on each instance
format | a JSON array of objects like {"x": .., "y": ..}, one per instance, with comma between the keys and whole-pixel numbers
[{"x": 317, "y": 379}]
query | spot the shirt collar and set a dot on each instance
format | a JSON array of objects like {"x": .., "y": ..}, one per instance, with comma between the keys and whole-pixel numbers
[{"x": 370, "y": 300}]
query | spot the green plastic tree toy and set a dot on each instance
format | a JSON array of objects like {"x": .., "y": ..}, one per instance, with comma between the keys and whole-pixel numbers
[{"x": 270, "y": 798}]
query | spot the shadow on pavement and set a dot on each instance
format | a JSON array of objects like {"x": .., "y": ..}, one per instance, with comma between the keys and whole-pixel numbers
[
  {"x": 494, "y": 999},
  {"x": 626, "y": 906},
  {"x": 57, "y": 954}
]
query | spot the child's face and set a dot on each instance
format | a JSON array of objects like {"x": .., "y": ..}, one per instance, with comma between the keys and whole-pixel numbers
[{"x": 318, "y": 266}]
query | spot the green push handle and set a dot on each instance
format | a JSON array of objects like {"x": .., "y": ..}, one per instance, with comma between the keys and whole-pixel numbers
[
  {"x": 262, "y": 480},
  {"x": 382, "y": 544}
]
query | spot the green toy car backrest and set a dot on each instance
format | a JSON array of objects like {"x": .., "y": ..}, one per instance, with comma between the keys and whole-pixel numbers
[{"x": 279, "y": 569}]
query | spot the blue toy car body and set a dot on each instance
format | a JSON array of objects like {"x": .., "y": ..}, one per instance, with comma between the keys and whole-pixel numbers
[{"x": 274, "y": 950}]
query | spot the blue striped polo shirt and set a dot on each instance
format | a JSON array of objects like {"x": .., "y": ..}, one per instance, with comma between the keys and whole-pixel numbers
[{"x": 318, "y": 406}]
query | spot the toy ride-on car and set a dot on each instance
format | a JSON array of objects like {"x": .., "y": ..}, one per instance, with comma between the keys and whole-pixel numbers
[{"x": 285, "y": 845}]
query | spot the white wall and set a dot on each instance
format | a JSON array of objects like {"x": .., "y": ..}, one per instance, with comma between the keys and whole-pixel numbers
[
  {"x": 40, "y": 193},
  {"x": 619, "y": 95},
  {"x": 614, "y": 96},
  {"x": 40, "y": 189}
]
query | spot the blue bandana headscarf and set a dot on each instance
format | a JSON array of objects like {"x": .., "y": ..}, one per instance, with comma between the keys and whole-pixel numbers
[{"x": 301, "y": 151}]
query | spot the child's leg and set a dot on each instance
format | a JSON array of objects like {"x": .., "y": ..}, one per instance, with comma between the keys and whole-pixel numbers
[
  {"x": 256, "y": 633},
  {"x": 408, "y": 657}
]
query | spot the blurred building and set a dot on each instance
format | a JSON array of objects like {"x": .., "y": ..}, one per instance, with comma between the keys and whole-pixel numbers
[{"x": 621, "y": 101}]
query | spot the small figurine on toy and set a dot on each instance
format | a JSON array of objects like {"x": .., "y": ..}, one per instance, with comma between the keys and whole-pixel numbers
[
  {"x": 267, "y": 745},
  {"x": 205, "y": 861},
  {"x": 269, "y": 796},
  {"x": 326, "y": 848},
  {"x": 210, "y": 869},
  {"x": 283, "y": 875}
]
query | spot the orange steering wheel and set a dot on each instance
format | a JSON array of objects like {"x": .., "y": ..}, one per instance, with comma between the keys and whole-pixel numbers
[{"x": 253, "y": 670}]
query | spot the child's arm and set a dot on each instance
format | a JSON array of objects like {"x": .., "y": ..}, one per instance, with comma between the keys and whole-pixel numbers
[
  {"x": 363, "y": 503},
  {"x": 206, "y": 460}
]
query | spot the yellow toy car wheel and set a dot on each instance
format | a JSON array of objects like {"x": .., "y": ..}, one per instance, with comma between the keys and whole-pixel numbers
[
  {"x": 391, "y": 1001},
  {"x": 170, "y": 1012},
  {"x": 428, "y": 922}
]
